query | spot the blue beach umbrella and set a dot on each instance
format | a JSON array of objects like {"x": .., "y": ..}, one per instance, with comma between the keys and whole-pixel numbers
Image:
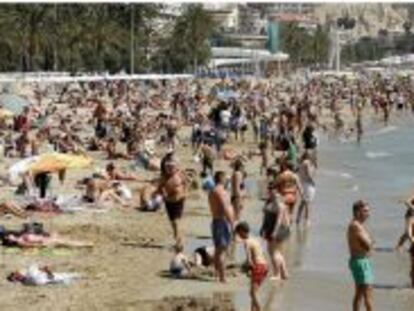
[{"x": 13, "y": 103}]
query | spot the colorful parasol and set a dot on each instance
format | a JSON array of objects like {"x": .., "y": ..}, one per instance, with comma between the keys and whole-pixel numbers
[
  {"x": 54, "y": 162},
  {"x": 49, "y": 162}
]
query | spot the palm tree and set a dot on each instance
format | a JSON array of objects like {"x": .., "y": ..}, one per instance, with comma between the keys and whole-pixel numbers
[
  {"x": 101, "y": 35},
  {"x": 76, "y": 36},
  {"x": 189, "y": 38}
]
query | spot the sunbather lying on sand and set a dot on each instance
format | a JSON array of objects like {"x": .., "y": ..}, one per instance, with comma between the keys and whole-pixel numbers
[
  {"x": 12, "y": 208},
  {"x": 37, "y": 276},
  {"x": 29, "y": 240},
  {"x": 38, "y": 238},
  {"x": 148, "y": 161},
  {"x": 114, "y": 173}
]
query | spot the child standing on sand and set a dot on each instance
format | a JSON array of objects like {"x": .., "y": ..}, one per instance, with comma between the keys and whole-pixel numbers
[{"x": 255, "y": 260}]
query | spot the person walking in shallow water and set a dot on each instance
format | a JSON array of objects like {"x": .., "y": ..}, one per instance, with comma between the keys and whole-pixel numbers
[
  {"x": 307, "y": 178},
  {"x": 358, "y": 123},
  {"x": 256, "y": 261},
  {"x": 276, "y": 231},
  {"x": 360, "y": 246}
]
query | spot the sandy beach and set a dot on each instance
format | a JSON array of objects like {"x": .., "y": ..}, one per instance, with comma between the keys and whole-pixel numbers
[{"x": 128, "y": 267}]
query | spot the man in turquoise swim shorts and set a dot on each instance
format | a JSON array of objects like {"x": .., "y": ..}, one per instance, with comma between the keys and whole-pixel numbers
[{"x": 360, "y": 247}]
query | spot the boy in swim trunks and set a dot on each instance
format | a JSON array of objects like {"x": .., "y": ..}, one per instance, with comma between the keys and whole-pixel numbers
[
  {"x": 360, "y": 247},
  {"x": 256, "y": 261}
]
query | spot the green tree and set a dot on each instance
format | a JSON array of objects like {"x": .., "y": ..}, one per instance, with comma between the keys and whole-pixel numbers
[
  {"x": 101, "y": 37},
  {"x": 365, "y": 49},
  {"x": 320, "y": 44},
  {"x": 188, "y": 46},
  {"x": 26, "y": 30},
  {"x": 294, "y": 41}
]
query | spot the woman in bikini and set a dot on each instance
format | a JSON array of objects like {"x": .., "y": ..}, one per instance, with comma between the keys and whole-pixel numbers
[{"x": 289, "y": 186}]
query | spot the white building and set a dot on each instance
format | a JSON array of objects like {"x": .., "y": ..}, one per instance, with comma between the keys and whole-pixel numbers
[{"x": 226, "y": 15}]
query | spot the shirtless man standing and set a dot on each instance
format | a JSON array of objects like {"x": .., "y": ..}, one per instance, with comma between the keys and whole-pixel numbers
[
  {"x": 360, "y": 247},
  {"x": 171, "y": 129},
  {"x": 222, "y": 224},
  {"x": 173, "y": 187}
]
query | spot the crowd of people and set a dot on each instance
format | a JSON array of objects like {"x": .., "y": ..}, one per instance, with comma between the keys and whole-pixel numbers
[{"x": 264, "y": 130}]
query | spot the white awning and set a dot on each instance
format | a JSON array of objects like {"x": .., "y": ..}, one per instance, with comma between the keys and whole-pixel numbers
[
  {"x": 217, "y": 62},
  {"x": 235, "y": 52}
]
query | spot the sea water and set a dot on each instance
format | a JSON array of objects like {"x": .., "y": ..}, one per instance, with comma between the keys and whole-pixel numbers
[{"x": 381, "y": 171}]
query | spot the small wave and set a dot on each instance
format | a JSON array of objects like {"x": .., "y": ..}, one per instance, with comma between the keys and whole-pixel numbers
[
  {"x": 344, "y": 175},
  {"x": 385, "y": 130},
  {"x": 377, "y": 155},
  {"x": 344, "y": 140}
]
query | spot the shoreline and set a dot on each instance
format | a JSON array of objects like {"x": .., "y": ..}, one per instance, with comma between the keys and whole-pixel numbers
[{"x": 122, "y": 276}]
